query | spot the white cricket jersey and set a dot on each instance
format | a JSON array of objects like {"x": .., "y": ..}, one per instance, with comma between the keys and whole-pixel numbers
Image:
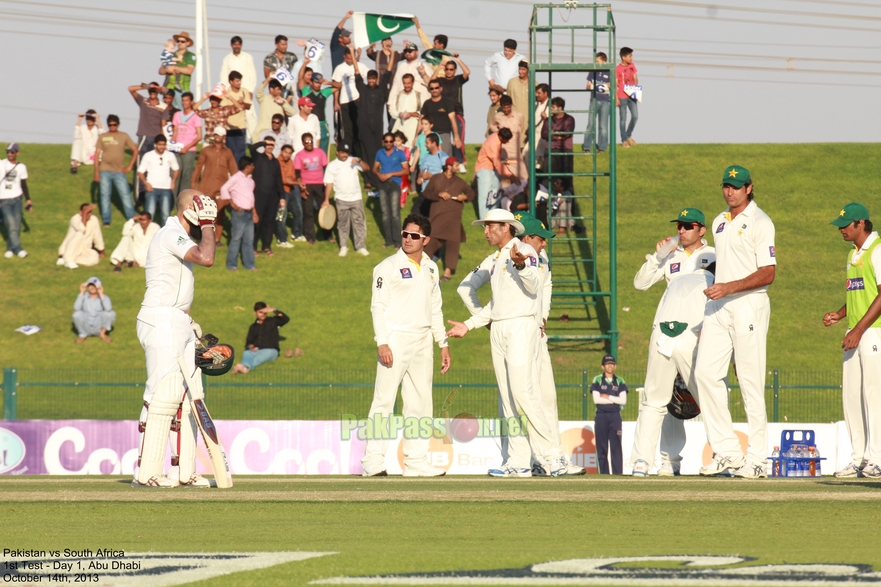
[
  {"x": 676, "y": 264},
  {"x": 515, "y": 294},
  {"x": 684, "y": 301},
  {"x": 11, "y": 175},
  {"x": 169, "y": 277},
  {"x": 407, "y": 298},
  {"x": 743, "y": 244}
]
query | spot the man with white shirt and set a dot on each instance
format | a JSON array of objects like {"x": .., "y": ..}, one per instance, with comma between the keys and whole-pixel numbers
[
  {"x": 243, "y": 63},
  {"x": 501, "y": 67},
  {"x": 83, "y": 244},
  {"x": 158, "y": 171},
  {"x": 303, "y": 122},
  {"x": 279, "y": 132},
  {"x": 341, "y": 177},
  {"x": 691, "y": 255},
  {"x": 513, "y": 273},
  {"x": 736, "y": 324},
  {"x": 412, "y": 64},
  {"x": 407, "y": 314},
  {"x": 137, "y": 233},
  {"x": 14, "y": 189},
  {"x": 345, "y": 100},
  {"x": 404, "y": 107}
]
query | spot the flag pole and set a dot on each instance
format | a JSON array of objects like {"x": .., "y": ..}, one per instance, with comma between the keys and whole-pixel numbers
[
  {"x": 199, "y": 32},
  {"x": 206, "y": 46}
]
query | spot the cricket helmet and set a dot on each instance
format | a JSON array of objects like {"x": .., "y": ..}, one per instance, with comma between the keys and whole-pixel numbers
[{"x": 213, "y": 357}]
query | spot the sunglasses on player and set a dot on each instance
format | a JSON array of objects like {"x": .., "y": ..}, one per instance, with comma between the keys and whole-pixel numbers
[
  {"x": 412, "y": 235},
  {"x": 687, "y": 226}
]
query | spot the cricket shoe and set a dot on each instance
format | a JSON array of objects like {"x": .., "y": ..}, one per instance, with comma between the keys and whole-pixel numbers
[
  {"x": 561, "y": 467},
  {"x": 507, "y": 471},
  {"x": 668, "y": 470},
  {"x": 540, "y": 470},
  {"x": 160, "y": 481},
  {"x": 640, "y": 468},
  {"x": 851, "y": 470},
  {"x": 199, "y": 481},
  {"x": 872, "y": 471},
  {"x": 374, "y": 473},
  {"x": 720, "y": 465},
  {"x": 751, "y": 472},
  {"x": 424, "y": 471}
]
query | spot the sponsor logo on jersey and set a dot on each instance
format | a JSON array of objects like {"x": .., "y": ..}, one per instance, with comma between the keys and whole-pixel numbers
[
  {"x": 406, "y": 274},
  {"x": 772, "y": 251},
  {"x": 855, "y": 284},
  {"x": 720, "y": 228},
  {"x": 675, "y": 267},
  {"x": 181, "y": 240},
  {"x": 532, "y": 261}
]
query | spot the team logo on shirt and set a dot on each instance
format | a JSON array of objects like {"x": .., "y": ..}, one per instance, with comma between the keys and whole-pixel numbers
[
  {"x": 720, "y": 228},
  {"x": 855, "y": 284},
  {"x": 675, "y": 267},
  {"x": 406, "y": 274},
  {"x": 532, "y": 261},
  {"x": 771, "y": 250}
]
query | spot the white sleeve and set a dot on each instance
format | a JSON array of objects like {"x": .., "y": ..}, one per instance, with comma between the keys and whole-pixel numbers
[
  {"x": 437, "y": 317},
  {"x": 481, "y": 318},
  {"x": 379, "y": 302},
  {"x": 876, "y": 261},
  {"x": 142, "y": 167},
  {"x": 600, "y": 400},
  {"x": 488, "y": 67},
  {"x": 651, "y": 272},
  {"x": 177, "y": 245},
  {"x": 547, "y": 292},
  {"x": 172, "y": 162},
  {"x": 765, "y": 253},
  {"x": 530, "y": 276},
  {"x": 619, "y": 399},
  {"x": 467, "y": 290}
]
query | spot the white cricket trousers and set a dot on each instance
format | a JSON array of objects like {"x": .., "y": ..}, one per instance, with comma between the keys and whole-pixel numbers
[
  {"x": 515, "y": 357},
  {"x": 412, "y": 369},
  {"x": 165, "y": 334},
  {"x": 654, "y": 419},
  {"x": 737, "y": 325},
  {"x": 548, "y": 389},
  {"x": 861, "y": 397}
]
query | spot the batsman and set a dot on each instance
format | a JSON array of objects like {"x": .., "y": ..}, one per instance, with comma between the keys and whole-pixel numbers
[{"x": 167, "y": 332}]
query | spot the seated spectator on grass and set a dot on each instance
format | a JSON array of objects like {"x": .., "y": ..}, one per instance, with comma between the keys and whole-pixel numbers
[
  {"x": 262, "y": 341},
  {"x": 93, "y": 312},
  {"x": 137, "y": 233},
  {"x": 84, "y": 243},
  {"x": 85, "y": 138},
  {"x": 158, "y": 171}
]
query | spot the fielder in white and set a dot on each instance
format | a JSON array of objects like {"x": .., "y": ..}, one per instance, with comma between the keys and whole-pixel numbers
[
  {"x": 406, "y": 308},
  {"x": 736, "y": 322},
  {"x": 691, "y": 255},
  {"x": 516, "y": 281},
  {"x": 861, "y": 378},
  {"x": 536, "y": 235},
  {"x": 167, "y": 332}
]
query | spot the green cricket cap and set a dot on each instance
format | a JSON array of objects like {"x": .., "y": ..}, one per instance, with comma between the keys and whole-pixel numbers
[
  {"x": 691, "y": 215},
  {"x": 736, "y": 175},
  {"x": 532, "y": 226},
  {"x": 851, "y": 212}
]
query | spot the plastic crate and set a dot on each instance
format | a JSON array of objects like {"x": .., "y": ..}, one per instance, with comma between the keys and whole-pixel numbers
[{"x": 799, "y": 467}]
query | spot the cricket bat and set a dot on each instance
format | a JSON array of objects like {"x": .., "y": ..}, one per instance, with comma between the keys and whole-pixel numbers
[{"x": 216, "y": 452}]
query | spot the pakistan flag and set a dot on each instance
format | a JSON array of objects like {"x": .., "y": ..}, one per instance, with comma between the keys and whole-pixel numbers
[{"x": 372, "y": 28}]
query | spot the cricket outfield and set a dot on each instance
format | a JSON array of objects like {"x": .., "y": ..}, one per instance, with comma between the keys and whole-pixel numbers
[{"x": 299, "y": 530}]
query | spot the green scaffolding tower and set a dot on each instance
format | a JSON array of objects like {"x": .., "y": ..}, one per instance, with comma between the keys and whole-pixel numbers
[{"x": 565, "y": 47}]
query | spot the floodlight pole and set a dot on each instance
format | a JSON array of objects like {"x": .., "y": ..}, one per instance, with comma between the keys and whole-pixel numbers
[{"x": 203, "y": 62}]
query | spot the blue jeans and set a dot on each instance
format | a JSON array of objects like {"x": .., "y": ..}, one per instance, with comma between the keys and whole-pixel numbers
[
  {"x": 390, "y": 204},
  {"x": 253, "y": 359},
  {"x": 627, "y": 129},
  {"x": 295, "y": 207},
  {"x": 235, "y": 141},
  {"x": 241, "y": 237},
  {"x": 600, "y": 121},
  {"x": 487, "y": 185},
  {"x": 117, "y": 179},
  {"x": 164, "y": 199},
  {"x": 10, "y": 209}
]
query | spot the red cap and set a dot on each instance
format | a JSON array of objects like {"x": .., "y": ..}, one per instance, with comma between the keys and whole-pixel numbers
[
  {"x": 451, "y": 161},
  {"x": 305, "y": 101}
]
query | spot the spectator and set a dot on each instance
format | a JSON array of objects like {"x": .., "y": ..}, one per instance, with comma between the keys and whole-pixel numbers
[
  {"x": 439, "y": 43},
  {"x": 390, "y": 166},
  {"x": 490, "y": 169},
  {"x": 279, "y": 133},
  {"x": 279, "y": 58},
  {"x": 319, "y": 97},
  {"x": 406, "y": 181},
  {"x": 609, "y": 394},
  {"x": 542, "y": 92},
  {"x": 309, "y": 165},
  {"x": 111, "y": 172},
  {"x": 137, "y": 233},
  {"x": 448, "y": 194},
  {"x": 426, "y": 127},
  {"x": 412, "y": 65},
  {"x": 494, "y": 97},
  {"x": 509, "y": 118},
  {"x": 442, "y": 112},
  {"x": 562, "y": 207},
  {"x": 216, "y": 164},
  {"x": 83, "y": 244},
  {"x": 262, "y": 341},
  {"x": 626, "y": 76},
  {"x": 561, "y": 144},
  {"x": 216, "y": 116},
  {"x": 598, "y": 85},
  {"x": 404, "y": 107},
  {"x": 268, "y": 191},
  {"x": 432, "y": 163},
  {"x": 341, "y": 178},
  {"x": 169, "y": 112},
  {"x": 241, "y": 123},
  {"x": 371, "y": 112},
  {"x": 271, "y": 104},
  {"x": 345, "y": 100},
  {"x": 187, "y": 132},
  {"x": 155, "y": 172},
  {"x": 14, "y": 187},
  {"x": 239, "y": 191},
  {"x": 242, "y": 63},
  {"x": 151, "y": 115},
  {"x": 386, "y": 59},
  {"x": 451, "y": 84},
  {"x": 85, "y": 138},
  {"x": 339, "y": 40},
  {"x": 93, "y": 312},
  {"x": 177, "y": 76},
  {"x": 303, "y": 122},
  {"x": 518, "y": 89},
  {"x": 293, "y": 201},
  {"x": 502, "y": 66}
]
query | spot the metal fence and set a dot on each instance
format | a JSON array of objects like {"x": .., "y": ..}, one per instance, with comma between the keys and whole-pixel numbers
[{"x": 292, "y": 394}]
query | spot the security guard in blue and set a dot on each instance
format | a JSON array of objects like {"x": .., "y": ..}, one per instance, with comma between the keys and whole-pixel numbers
[{"x": 609, "y": 394}]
